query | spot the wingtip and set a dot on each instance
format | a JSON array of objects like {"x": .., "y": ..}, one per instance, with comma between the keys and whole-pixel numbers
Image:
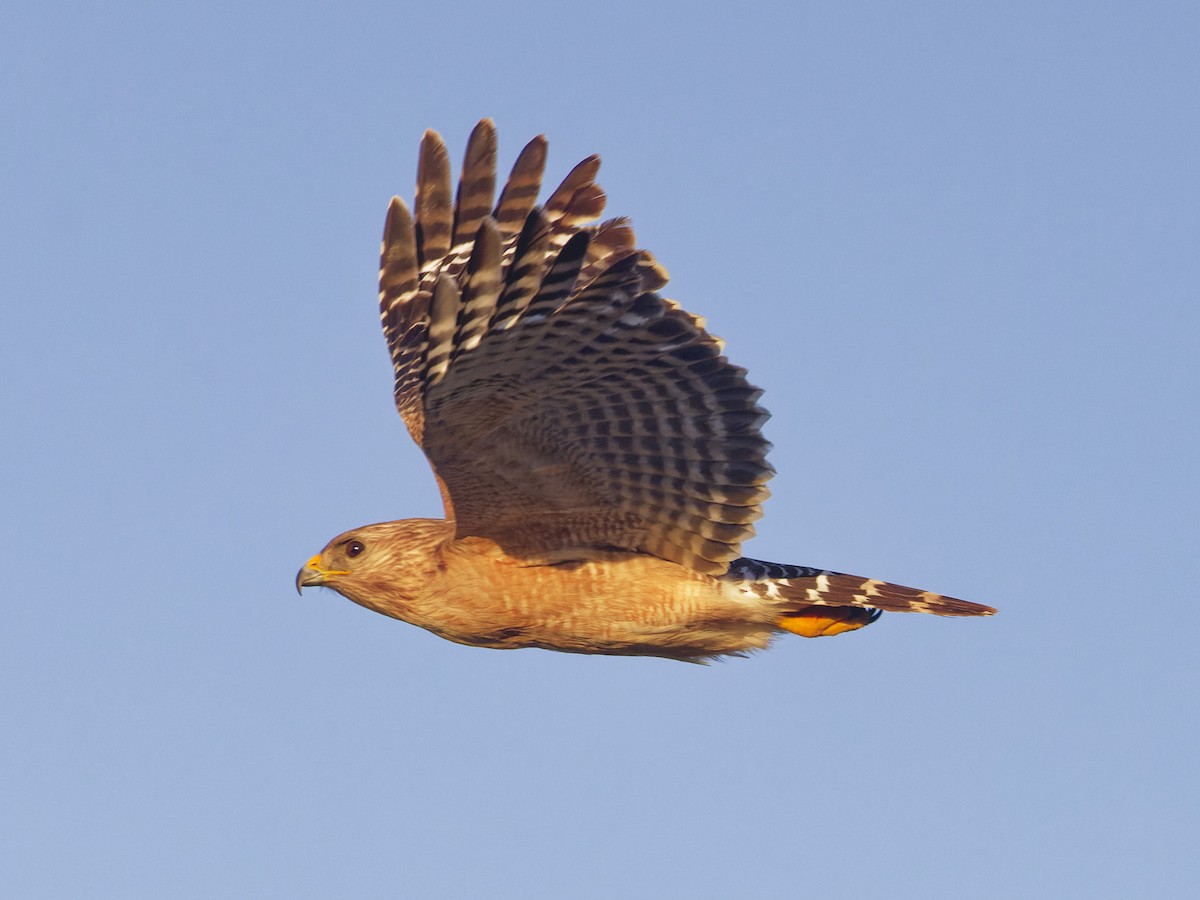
[
  {"x": 590, "y": 165},
  {"x": 397, "y": 207},
  {"x": 433, "y": 152},
  {"x": 397, "y": 224}
]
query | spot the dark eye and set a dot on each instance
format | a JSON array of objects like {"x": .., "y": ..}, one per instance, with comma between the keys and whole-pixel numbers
[{"x": 354, "y": 548}]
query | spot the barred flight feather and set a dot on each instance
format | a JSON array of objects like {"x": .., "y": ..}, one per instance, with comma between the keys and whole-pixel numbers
[
  {"x": 519, "y": 195},
  {"x": 476, "y": 186},
  {"x": 435, "y": 213}
]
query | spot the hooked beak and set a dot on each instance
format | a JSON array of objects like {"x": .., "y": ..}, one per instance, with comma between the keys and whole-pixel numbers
[{"x": 312, "y": 574}]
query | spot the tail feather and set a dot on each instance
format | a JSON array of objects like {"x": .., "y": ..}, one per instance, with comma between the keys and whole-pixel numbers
[{"x": 800, "y": 587}]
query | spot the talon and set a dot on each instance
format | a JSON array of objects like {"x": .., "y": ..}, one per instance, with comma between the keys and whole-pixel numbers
[{"x": 823, "y": 621}]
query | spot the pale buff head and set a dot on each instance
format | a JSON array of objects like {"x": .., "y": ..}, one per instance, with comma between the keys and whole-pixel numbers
[{"x": 380, "y": 566}]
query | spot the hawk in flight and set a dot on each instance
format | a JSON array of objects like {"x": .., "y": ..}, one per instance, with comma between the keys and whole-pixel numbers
[{"x": 599, "y": 458}]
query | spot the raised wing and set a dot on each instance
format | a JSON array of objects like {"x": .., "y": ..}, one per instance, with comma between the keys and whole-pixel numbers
[{"x": 562, "y": 403}]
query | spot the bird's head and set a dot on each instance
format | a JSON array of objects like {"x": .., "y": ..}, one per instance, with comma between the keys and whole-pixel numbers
[{"x": 379, "y": 566}]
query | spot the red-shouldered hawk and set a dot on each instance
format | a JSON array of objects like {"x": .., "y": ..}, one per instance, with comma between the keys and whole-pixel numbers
[{"x": 600, "y": 460}]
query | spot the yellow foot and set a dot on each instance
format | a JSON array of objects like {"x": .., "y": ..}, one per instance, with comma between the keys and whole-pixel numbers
[{"x": 822, "y": 621}]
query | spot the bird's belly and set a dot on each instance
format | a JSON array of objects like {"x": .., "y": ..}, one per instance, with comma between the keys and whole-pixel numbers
[{"x": 624, "y": 604}]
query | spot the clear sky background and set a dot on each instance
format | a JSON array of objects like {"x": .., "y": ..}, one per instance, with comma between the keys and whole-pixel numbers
[{"x": 955, "y": 242}]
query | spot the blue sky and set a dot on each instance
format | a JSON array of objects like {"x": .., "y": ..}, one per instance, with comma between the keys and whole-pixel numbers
[{"x": 955, "y": 243}]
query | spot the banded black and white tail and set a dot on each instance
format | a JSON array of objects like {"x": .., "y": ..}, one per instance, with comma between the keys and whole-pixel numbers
[{"x": 798, "y": 587}]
